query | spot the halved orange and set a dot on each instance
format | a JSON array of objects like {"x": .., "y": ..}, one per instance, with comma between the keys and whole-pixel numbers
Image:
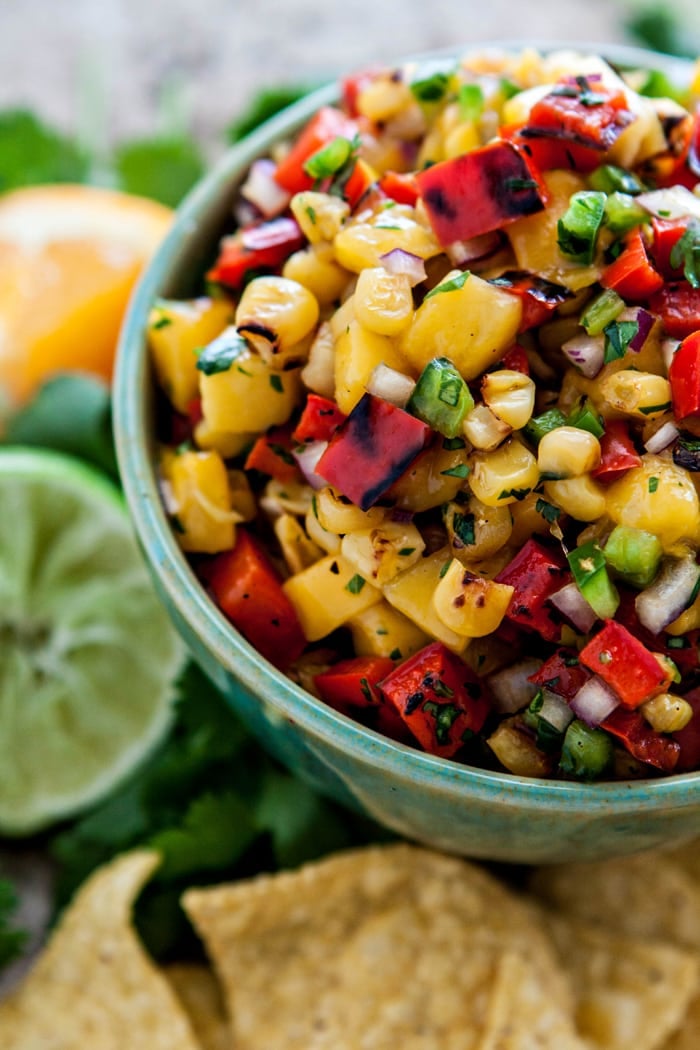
[{"x": 69, "y": 257}]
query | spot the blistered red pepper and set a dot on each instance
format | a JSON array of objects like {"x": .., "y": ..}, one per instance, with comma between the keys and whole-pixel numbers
[
  {"x": 562, "y": 674},
  {"x": 641, "y": 741},
  {"x": 684, "y": 377},
  {"x": 263, "y": 247},
  {"x": 539, "y": 297},
  {"x": 536, "y": 573},
  {"x": 632, "y": 275},
  {"x": 620, "y": 659},
  {"x": 328, "y": 124},
  {"x": 272, "y": 455},
  {"x": 400, "y": 187},
  {"x": 617, "y": 452},
  {"x": 319, "y": 420},
  {"x": 678, "y": 306},
  {"x": 667, "y": 233},
  {"x": 350, "y": 684}
]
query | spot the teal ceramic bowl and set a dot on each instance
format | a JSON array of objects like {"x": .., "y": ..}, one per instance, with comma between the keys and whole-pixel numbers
[{"x": 439, "y": 803}]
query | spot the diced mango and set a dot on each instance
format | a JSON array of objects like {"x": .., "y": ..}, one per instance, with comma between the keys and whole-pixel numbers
[
  {"x": 328, "y": 594},
  {"x": 337, "y": 514},
  {"x": 380, "y": 553},
  {"x": 658, "y": 497},
  {"x": 384, "y": 631},
  {"x": 412, "y": 594},
  {"x": 204, "y": 519},
  {"x": 250, "y": 396},
  {"x": 435, "y": 477},
  {"x": 298, "y": 551},
  {"x": 176, "y": 330},
  {"x": 358, "y": 351}
]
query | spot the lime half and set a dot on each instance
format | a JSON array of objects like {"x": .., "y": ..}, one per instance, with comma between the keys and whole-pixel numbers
[{"x": 88, "y": 657}]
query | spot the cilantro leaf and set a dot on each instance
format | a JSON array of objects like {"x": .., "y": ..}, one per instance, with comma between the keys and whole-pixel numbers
[
  {"x": 163, "y": 168},
  {"x": 453, "y": 285},
  {"x": 12, "y": 940},
  {"x": 686, "y": 253},
  {"x": 618, "y": 336},
  {"x": 32, "y": 153},
  {"x": 658, "y": 27}
]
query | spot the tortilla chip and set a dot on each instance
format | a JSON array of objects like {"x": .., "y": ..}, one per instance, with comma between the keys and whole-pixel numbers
[
  {"x": 380, "y": 948},
  {"x": 94, "y": 987},
  {"x": 630, "y": 992},
  {"x": 200, "y": 994}
]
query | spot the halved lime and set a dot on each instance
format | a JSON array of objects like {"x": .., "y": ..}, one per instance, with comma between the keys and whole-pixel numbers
[{"x": 88, "y": 656}]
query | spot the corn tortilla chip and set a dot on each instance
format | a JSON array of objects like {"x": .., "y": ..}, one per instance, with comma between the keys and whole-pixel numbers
[
  {"x": 379, "y": 948},
  {"x": 94, "y": 987},
  {"x": 200, "y": 994}
]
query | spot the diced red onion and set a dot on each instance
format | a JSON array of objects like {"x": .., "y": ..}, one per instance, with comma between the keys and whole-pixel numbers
[
  {"x": 261, "y": 189},
  {"x": 555, "y": 710},
  {"x": 669, "y": 595},
  {"x": 574, "y": 607},
  {"x": 167, "y": 495},
  {"x": 587, "y": 353},
  {"x": 594, "y": 701},
  {"x": 672, "y": 202},
  {"x": 390, "y": 385},
  {"x": 645, "y": 320},
  {"x": 401, "y": 262},
  {"x": 307, "y": 456},
  {"x": 510, "y": 689},
  {"x": 461, "y": 252},
  {"x": 663, "y": 437}
]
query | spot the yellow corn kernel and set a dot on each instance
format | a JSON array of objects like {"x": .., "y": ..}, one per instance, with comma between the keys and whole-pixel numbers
[
  {"x": 516, "y": 110},
  {"x": 687, "y": 621},
  {"x": 357, "y": 353},
  {"x": 381, "y": 552},
  {"x": 384, "y": 98},
  {"x": 580, "y": 497},
  {"x": 337, "y": 514},
  {"x": 286, "y": 497},
  {"x": 435, "y": 477},
  {"x": 484, "y": 430},
  {"x": 462, "y": 139},
  {"x": 657, "y": 497},
  {"x": 515, "y": 750},
  {"x": 638, "y": 394},
  {"x": 510, "y": 395},
  {"x": 226, "y": 443},
  {"x": 175, "y": 331},
  {"x": 319, "y": 215},
  {"x": 316, "y": 269},
  {"x": 383, "y": 631},
  {"x": 250, "y": 396},
  {"x": 298, "y": 551},
  {"x": 327, "y": 595},
  {"x": 327, "y": 541},
  {"x": 432, "y": 148},
  {"x": 275, "y": 315},
  {"x": 476, "y": 531},
  {"x": 361, "y": 244},
  {"x": 412, "y": 594},
  {"x": 527, "y": 520},
  {"x": 343, "y": 317},
  {"x": 383, "y": 301},
  {"x": 202, "y": 500},
  {"x": 667, "y": 713},
  {"x": 468, "y": 604},
  {"x": 568, "y": 452},
  {"x": 505, "y": 475},
  {"x": 318, "y": 374},
  {"x": 242, "y": 498},
  {"x": 466, "y": 319}
]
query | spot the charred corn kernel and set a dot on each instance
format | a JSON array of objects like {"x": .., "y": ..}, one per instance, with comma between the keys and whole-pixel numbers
[
  {"x": 297, "y": 549},
  {"x": 361, "y": 244},
  {"x": 384, "y": 97},
  {"x": 250, "y": 396},
  {"x": 484, "y": 430},
  {"x": 667, "y": 713},
  {"x": 383, "y": 301},
  {"x": 461, "y": 139},
  {"x": 505, "y": 475},
  {"x": 638, "y": 394},
  {"x": 358, "y": 351},
  {"x": 275, "y": 315},
  {"x": 527, "y": 519},
  {"x": 285, "y": 497},
  {"x": 517, "y": 751},
  {"x": 242, "y": 498},
  {"x": 468, "y": 604},
  {"x": 381, "y": 552},
  {"x": 411, "y": 592},
  {"x": 510, "y": 395},
  {"x": 568, "y": 452},
  {"x": 384, "y": 631},
  {"x": 328, "y": 594},
  {"x": 327, "y": 541},
  {"x": 227, "y": 444},
  {"x": 175, "y": 331},
  {"x": 318, "y": 374},
  {"x": 476, "y": 531},
  {"x": 204, "y": 519},
  {"x": 466, "y": 319},
  {"x": 434, "y": 478},
  {"x": 315, "y": 267},
  {"x": 658, "y": 497},
  {"x": 319, "y": 215},
  {"x": 337, "y": 514},
  {"x": 580, "y": 497}
]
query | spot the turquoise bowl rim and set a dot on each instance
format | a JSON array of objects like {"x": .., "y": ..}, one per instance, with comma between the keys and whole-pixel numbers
[{"x": 184, "y": 593}]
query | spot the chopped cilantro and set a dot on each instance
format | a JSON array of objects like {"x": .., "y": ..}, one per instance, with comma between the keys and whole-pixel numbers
[
  {"x": 276, "y": 383},
  {"x": 464, "y": 528},
  {"x": 445, "y": 567},
  {"x": 445, "y": 716},
  {"x": 548, "y": 511},
  {"x": 406, "y": 551},
  {"x": 653, "y": 484},
  {"x": 450, "y": 444},
  {"x": 460, "y": 471},
  {"x": 518, "y": 494},
  {"x": 453, "y": 285},
  {"x": 686, "y": 253},
  {"x": 366, "y": 690},
  {"x": 161, "y": 322},
  {"x": 431, "y": 88},
  {"x": 395, "y": 654},
  {"x": 649, "y": 410},
  {"x": 219, "y": 355},
  {"x": 618, "y": 336},
  {"x": 355, "y": 584}
]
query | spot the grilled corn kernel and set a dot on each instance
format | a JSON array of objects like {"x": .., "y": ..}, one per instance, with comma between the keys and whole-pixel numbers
[
  {"x": 657, "y": 497},
  {"x": 527, "y": 519},
  {"x": 318, "y": 374},
  {"x": 275, "y": 314},
  {"x": 503, "y": 476},
  {"x": 383, "y": 301},
  {"x": 337, "y": 514},
  {"x": 358, "y": 351},
  {"x": 297, "y": 549},
  {"x": 315, "y": 267},
  {"x": 517, "y": 751},
  {"x": 468, "y": 604},
  {"x": 476, "y": 531},
  {"x": 384, "y": 98},
  {"x": 484, "y": 430},
  {"x": 667, "y": 713},
  {"x": 510, "y": 395},
  {"x": 638, "y": 394},
  {"x": 285, "y": 497},
  {"x": 242, "y": 498},
  {"x": 411, "y": 592},
  {"x": 175, "y": 330},
  {"x": 568, "y": 452},
  {"x": 249, "y": 396},
  {"x": 580, "y": 497},
  {"x": 319, "y": 215},
  {"x": 327, "y": 541},
  {"x": 226, "y": 444},
  {"x": 434, "y": 478},
  {"x": 361, "y": 244},
  {"x": 380, "y": 553}
]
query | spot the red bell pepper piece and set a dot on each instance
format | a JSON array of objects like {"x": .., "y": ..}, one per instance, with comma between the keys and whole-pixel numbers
[
  {"x": 535, "y": 573},
  {"x": 562, "y": 674},
  {"x": 515, "y": 360},
  {"x": 319, "y": 420},
  {"x": 667, "y": 233},
  {"x": 548, "y": 153},
  {"x": 440, "y": 699},
  {"x": 689, "y": 738},
  {"x": 582, "y": 111},
  {"x": 617, "y": 452},
  {"x": 248, "y": 589},
  {"x": 402, "y": 188},
  {"x": 620, "y": 659},
  {"x": 686, "y": 170},
  {"x": 272, "y": 454},
  {"x": 480, "y": 191},
  {"x": 373, "y": 447},
  {"x": 642, "y": 742},
  {"x": 683, "y": 652},
  {"x": 684, "y": 377},
  {"x": 328, "y": 124},
  {"x": 265, "y": 246},
  {"x": 358, "y": 185},
  {"x": 350, "y": 684},
  {"x": 678, "y": 306},
  {"x": 539, "y": 297},
  {"x": 631, "y": 275}
]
